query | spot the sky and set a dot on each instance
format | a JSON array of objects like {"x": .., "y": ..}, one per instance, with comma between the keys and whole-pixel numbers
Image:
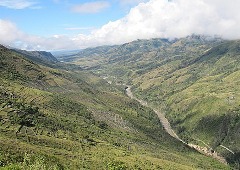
[{"x": 78, "y": 24}]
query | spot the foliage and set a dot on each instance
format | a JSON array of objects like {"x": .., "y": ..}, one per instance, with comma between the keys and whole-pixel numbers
[
  {"x": 194, "y": 80},
  {"x": 116, "y": 165},
  {"x": 72, "y": 119}
]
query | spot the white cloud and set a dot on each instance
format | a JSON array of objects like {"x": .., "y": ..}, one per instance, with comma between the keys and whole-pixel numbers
[
  {"x": 156, "y": 18},
  {"x": 11, "y": 35},
  {"x": 176, "y": 18},
  {"x": 8, "y": 32},
  {"x": 17, "y": 4},
  {"x": 91, "y": 7}
]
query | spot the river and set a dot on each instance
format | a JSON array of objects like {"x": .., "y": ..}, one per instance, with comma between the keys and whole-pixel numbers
[{"x": 166, "y": 125}]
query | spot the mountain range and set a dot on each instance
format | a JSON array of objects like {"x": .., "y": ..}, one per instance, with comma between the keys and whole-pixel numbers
[
  {"x": 194, "y": 81},
  {"x": 76, "y": 114}
]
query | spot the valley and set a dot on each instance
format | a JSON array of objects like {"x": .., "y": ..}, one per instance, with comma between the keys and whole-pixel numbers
[
  {"x": 61, "y": 116},
  {"x": 207, "y": 150},
  {"x": 87, "y": 111},
  {"x": 192, "y": 80},
  {"x": 119, "y": 85}
]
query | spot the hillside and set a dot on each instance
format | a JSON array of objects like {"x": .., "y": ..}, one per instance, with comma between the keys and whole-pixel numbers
[
  {"x": 92, "y": 57},
  {"x": 41, "y": 57},
  {"x": 193, "y": 80},
  {"x": 60, "y": 119}
]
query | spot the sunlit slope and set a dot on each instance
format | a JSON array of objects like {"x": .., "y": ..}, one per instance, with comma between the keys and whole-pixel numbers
[
  {"x": 193, "y": 80},
  {"x": 53, "y": 118},
  {"x": 196, "y": 94}
]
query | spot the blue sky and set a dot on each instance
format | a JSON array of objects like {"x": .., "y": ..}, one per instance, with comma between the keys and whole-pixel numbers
[
  {"x": 78, "y": 24},
  {"x": 48, "y": 17}
]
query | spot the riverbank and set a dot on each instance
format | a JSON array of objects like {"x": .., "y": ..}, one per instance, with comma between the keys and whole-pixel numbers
[{"x": 167, "y": 126}]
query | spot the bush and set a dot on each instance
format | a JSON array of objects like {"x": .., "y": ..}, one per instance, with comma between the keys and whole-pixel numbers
[
  {"x": 32, "y": 162},
  {"x": 116, "y": 165}
]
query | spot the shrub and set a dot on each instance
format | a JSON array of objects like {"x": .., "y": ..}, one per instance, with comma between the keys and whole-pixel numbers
[{"x": 116, "y": 165}]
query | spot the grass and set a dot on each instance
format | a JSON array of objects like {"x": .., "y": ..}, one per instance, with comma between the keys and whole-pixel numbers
[
  {"x": 193, "y": 80},
  {"x": 76, "y": 120}
]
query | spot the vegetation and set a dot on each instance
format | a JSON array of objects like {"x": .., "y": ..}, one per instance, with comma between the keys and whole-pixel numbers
[
  {"x": 71, "y": 119},
  {"x": 193, "y": 80}
]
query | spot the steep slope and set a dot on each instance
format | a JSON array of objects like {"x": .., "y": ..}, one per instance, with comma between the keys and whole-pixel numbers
[
  {"x": 193, "y": 80},
  {"x": 200, "y": 96},
  {"x": 41, "y": 57},
  {"x": 52, "y": 118}
]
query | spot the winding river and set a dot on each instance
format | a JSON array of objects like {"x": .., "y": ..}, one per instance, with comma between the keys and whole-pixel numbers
[{"x": 204, "y": 150}]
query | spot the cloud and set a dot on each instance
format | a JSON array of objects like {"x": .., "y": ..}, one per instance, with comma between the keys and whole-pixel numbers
[
  {"x": 173, "y": 19},
  {"x": 8, "y": 32},
  {"x": 153, "y": 19},
  {"x": 91, "y": 7},
  {"x": 17, "y": 4},
  {"x": 11, "y": 35}
]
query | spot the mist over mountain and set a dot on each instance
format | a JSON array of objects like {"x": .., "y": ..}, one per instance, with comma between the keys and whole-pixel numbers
[
  {"x": 118, "y": 85},
  {"x": 146, "y": 20}
]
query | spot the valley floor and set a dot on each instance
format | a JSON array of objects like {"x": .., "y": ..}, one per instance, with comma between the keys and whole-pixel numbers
[{"x": 165, "y": 123}]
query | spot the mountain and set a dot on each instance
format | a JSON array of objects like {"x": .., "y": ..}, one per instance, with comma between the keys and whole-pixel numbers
[
  {"x": 55, "y": 118},
  {"x": 41, "y": 57},
  {"x": 194, "y": 81},
  {"x": 93, "y": 56}
]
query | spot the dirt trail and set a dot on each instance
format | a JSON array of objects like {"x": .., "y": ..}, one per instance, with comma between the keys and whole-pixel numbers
[{"x": 204, "y": 150}]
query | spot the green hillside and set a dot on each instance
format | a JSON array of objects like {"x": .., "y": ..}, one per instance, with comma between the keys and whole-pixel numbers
[
  {"x": 61, "y": 119},
  {"x": 193, "y": 80},
  {"x": 200, "y": 98}
]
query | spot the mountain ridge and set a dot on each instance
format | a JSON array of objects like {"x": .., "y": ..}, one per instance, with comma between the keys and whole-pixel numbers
[
  {"x": 41, "y": 57},
  {"x": 72, "y": 119},
  {"x": 193, "y": 80}
]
